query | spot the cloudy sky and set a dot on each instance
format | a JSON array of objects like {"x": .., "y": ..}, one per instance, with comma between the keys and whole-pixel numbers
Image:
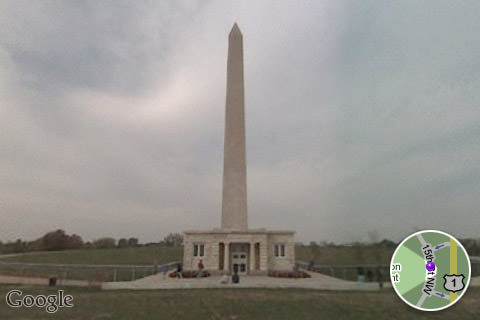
[{"x": 360, "y": 116}]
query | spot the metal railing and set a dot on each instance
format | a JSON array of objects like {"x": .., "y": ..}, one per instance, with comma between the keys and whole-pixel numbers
[
  {"x": 363, "y": 272},
  {"x": 367, "y": 272},
  {"x": 90, "y": 272}
]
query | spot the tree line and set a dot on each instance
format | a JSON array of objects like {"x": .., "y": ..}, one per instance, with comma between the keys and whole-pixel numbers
[{"x": 59, "y": 240}]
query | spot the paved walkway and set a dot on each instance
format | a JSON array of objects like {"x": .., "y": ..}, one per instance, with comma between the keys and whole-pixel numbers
[{"x": 317, "y": 281}]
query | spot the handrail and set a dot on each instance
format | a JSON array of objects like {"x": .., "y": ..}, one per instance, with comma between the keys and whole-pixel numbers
[{"x": 74, "y": 265}]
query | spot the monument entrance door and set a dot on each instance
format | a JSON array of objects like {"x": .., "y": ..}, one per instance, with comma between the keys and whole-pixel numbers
[{"x": 239, "y": 254}]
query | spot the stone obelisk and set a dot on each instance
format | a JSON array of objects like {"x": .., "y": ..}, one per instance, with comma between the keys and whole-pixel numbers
[{"x": 234, "y": 201}]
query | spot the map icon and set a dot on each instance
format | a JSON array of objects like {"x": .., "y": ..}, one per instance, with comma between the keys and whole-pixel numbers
[{"x": 430, "y": 270}]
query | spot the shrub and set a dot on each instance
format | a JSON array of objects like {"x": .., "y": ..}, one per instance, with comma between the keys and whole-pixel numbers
[
  {"x": 289, "y": 274},
  {"x": 190, "y": 274}
]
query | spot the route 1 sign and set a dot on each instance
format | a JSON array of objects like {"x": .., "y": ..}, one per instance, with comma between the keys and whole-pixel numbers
[{"x": 454, "y": 282}]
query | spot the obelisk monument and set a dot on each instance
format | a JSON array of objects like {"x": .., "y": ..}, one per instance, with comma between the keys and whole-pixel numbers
[
  {"x": 234, "y": 201},
  {"x": 234, "y": 245}
]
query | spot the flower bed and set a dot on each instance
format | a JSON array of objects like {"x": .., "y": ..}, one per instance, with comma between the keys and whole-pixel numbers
[
  {"x": 190, "y": 274},
  {"x": 288, "y": 274}
]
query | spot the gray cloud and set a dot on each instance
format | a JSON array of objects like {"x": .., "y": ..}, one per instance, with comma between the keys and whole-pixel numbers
[{"x": 360, "y": 116}]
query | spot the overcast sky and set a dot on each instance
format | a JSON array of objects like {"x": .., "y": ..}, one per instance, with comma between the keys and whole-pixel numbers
[{"x": 360, "y": 116}]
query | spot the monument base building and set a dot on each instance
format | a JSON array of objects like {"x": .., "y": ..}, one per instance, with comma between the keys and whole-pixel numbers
[
  {"x": 254, "y": 251},
  {"x": 234, "y": 246}
]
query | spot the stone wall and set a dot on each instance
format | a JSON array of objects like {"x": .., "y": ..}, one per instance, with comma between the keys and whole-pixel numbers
[{"x": 281, "y": 263}]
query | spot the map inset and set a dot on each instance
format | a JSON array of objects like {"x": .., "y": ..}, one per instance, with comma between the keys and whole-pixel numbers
[{"x": 430, "y": 270}]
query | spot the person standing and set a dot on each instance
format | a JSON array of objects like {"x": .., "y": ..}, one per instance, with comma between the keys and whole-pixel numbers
[
  {"x": 200, "y": 269},
  {"x": 360, "y": 274},
  {"x": 369, "y": 275},
  {"x": 179, "y": 271},
  {"x": 235, "y": 277},
  {"x": 311, "y": 264},
  {"x": 163, "y": 270},
  {"x": 380, "y": 277}
]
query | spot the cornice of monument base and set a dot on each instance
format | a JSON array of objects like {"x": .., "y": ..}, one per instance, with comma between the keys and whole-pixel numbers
[{"x": 233, "y": 231}]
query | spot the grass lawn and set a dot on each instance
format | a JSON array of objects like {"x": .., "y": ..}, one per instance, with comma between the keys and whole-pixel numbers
[
  {"x": 345, "y": 255},
  {"x": 138, "y": 256},
  {"x": 149, "y": 256},
  {"x": 236, "y": 304},
  {"x": 160, "y": 254}
]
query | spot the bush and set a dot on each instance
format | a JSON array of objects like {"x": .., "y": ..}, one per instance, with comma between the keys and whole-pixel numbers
[
  {"x": 189, "y": 274},
  {"x": 58, "y": 240},
  {"x": 288, "y": 274},
  {"x": 104, "y": 243}
]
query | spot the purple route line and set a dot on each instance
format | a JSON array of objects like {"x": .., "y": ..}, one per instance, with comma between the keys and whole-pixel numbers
[
  {"x": 440, "y": 294},
  {"x": 438, "y": 247}
]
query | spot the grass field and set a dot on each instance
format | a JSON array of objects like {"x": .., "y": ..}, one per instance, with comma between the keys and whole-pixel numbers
[
  {"x": 148, "y": 256},
  {"x": 343, "y": 255},
  {"x": 160, "y": 254},
  {"x": 138, "y": 256},
  {"x": 237, "y": 304}
]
